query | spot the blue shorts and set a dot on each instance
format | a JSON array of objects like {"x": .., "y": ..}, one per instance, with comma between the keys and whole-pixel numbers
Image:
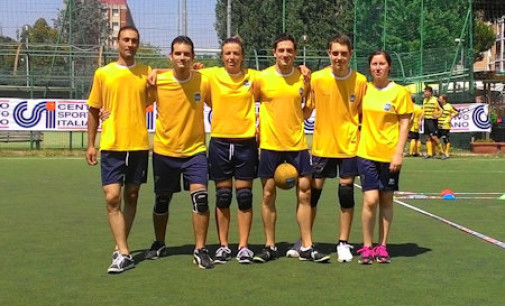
[
  {"x": 376, "y": 176},
  {"x": 329, "y": 167},
  {"x": 233, "y": 158},
  {"x": 269, "y": 160},
  {"x": 167, "y": 172},
  {"x": 123, "y": 167}
]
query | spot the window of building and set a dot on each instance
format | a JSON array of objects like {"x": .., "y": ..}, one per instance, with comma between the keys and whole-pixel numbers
[
  {"x": 115, "y": 12},
  {"x": 115, "y": 26}
]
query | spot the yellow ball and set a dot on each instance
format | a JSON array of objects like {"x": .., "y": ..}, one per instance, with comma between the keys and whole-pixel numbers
[{"x": 285, "y": 176}]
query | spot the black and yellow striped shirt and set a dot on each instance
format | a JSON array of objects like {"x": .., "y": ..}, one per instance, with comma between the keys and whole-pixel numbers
[{"x": 431, "y": 107}]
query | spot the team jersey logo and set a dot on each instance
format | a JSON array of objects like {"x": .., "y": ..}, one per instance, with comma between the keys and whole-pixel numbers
[
  {"x": 246, "y": 83},
  {"x": 198, "y": 97},
  {"x": 387, "y": 106},
  {"x": 352, "y": 98},
  {"x": 300, "y": 91}
]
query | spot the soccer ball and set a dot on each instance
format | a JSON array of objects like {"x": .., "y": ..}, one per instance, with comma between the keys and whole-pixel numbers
[{"x": 285, "y": 176}]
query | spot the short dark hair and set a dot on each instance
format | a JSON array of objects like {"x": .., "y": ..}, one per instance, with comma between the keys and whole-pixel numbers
[
  {"x": 283, "y": 37},
  {"x": 380, "y": 52},
  {"x": 428, "y": 88},
  {"x": 182, "y": 40},
  {"x": 127, "y": 27},
  {"x": 340, "y": 39},
  {"x": 234, "y": 40}
]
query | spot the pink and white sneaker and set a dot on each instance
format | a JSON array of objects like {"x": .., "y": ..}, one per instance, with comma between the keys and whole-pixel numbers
[{"x": 381, "y": 254}]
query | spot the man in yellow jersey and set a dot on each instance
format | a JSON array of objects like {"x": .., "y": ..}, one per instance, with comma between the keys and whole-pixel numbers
[
  {"x": 431, "y": 112},
  {"x": 444, "y": 123},
  {"x": 281, "y": 90},
  {"x": 337, "y": 92},
  {"x": 120, "y": 89},
  {"x": 179, "y": 148},
  {"x": 415, "y": 142}
]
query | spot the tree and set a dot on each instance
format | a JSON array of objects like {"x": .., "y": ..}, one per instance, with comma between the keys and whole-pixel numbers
[
  {"x": 81, "y": 23},
  {"x": 484, "y": 39},
  {"x": 258, "y": 22}
]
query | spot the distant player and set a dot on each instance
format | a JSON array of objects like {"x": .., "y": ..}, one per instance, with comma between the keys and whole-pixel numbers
[
  {"x": 415, "y": 141},
  {"x": 431, "y": 113},
  {"x": 387, "y": 109},
  {"x": 120, "y": 89},
  {"x": 337, "y": 92},
  {"x": 282, "y": 90},
  {"x": 444, "y": 123},
  {"x": 179, "y": 148}
]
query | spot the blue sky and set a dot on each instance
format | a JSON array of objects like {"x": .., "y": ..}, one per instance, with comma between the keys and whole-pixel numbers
[{"x": 157, "y": 20}]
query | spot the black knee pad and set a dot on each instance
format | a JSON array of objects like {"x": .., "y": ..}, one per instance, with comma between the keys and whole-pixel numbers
[
  {"x": 200, "y": 199},
  {"x": 346, "y": 196},
  {"x": 244, "y": 198},
  {"x": 161, "y": 204},
  {"x": 223, "y": 197},
  {"x": 315, "y": 194}
]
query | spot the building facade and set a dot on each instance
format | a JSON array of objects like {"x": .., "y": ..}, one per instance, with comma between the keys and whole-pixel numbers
[{"x": 117, "y": 13}]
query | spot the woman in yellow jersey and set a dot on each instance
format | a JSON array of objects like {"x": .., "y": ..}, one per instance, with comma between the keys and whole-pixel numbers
[
  {"x": 233, "y": 151},
  {"x": 387, "y": 108}
]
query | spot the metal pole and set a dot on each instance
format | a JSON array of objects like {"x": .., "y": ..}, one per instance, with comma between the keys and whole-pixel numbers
[
  {"x": 385, "y": 20},
  {"x": 421, "y": 28},
  {"x": 228, "y": 19},
  {"x": 469, "y": 52},
  {"x": 305, "y": 38},
  {"x": 283, "y": 16},
  {"x": 27, "y": 57},
  {"x": 184, "y": 18}
]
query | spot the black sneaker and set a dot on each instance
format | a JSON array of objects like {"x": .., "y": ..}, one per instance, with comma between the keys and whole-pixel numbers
[
  {"x": 202, "y": 258},
  {"x": 245, "y": 256},
  {"x": 313, "y": 255},
  {"x": 268, "y": 253},
  {"x": 222, "y": 255},
  {"x": 121, "y": 263},
  {"x": 158, "y": 249}
]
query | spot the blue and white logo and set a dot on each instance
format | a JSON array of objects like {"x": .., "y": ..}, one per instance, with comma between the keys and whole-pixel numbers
[
  {"x": 37, "y": 112},
  {"x": 388, "y": 106},
  {"x": 352, "y": 98},
  {"x": 480, "y": 118},
  {"x": 198, "y": 97}
]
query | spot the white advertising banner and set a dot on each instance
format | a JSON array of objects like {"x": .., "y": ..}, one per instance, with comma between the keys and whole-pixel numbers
[
  {"x": 473, "y": 117},
  {"x": 72, "y": 115}
]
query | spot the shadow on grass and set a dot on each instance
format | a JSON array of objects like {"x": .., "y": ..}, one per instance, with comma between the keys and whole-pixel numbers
[{"x": 395, "y": 250}]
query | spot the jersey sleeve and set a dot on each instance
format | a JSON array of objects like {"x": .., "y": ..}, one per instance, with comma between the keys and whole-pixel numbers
[
  {"x": 404, "y": 103},
  {"x": 95, "y": 96}
]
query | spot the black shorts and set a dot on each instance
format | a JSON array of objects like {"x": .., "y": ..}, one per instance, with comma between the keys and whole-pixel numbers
[
  {"x": 233, "y": 158},
  {"x": 375, "y": 175},
  {"x": 413, "y": 135},
  {"x": 167, "y": 172},
  {"x": 443, "y": 133},
  {"x": 431, "y": 127},
  {"x": 329, "y": 167},
  {"x": 124, "y": 167},
  {"x": 269, "y": 160}
]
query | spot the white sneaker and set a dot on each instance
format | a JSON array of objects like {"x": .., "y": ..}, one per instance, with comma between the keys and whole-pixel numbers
[
  {"x": 294, "y": 251},
  {"x": 344, "y": 252}
]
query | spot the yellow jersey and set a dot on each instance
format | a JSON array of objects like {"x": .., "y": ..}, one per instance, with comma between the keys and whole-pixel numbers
[
  {"x": 416, "y": 118},
  {"x": 337, "y": 102},
  {"x": 233, "y": 103},
  {"x": 431, "y": 108},
  {"x": 380, "y": 129},
  {"x": 281, "y": 126},
  {"x": 444, "y": 122},
  {"x": 122, "y": 91},
  {"x": 180, "y": 130}
]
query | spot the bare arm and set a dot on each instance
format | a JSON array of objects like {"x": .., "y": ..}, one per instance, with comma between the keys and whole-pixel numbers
[
  {"x": 93, "y": 121},
  {"x": 396, "y": 162}
]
